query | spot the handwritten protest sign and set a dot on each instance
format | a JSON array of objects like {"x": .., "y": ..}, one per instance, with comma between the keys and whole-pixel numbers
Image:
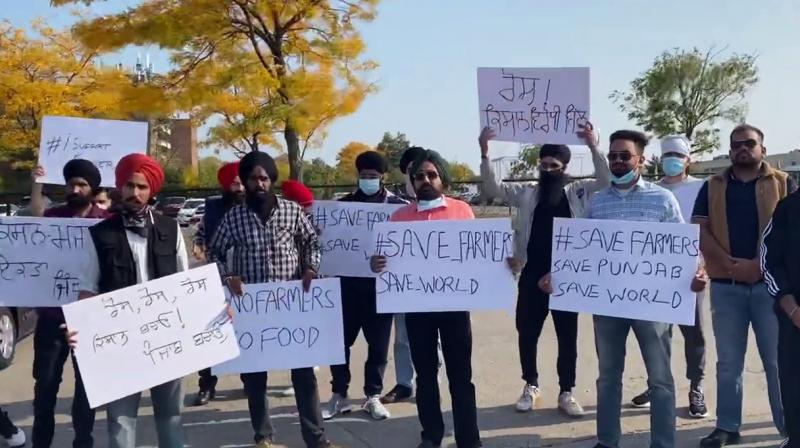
[
  {"x": 634, "y": 270},
  {"x": 534, "y": 105},
  {"x": 102, "y": 142},
  {"x": 345, "y": 232},
  {"x": 145, "y": 335},
  {"x": 445, "y": 266},
  {"x": 40, "y": 260},
  {"x": 279, "y": 326}
]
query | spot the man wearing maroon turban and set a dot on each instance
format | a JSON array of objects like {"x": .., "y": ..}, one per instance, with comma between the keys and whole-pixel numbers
[
  {"x": 215, "y": 209},
  {"x": 130, "y": 248}
]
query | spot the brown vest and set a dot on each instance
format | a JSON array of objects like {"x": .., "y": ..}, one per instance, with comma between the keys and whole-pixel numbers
[{"x": 771, "y": 187}]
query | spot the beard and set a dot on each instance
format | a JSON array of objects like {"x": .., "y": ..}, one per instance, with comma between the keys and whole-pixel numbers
[
  {"x": 231, "y": 199},
  {"x": 426, "y": 192},
  {"x": 261, "y": 202},
  {"x": 131, "y": 206},
  {"x": 77, "y": 201},
  {"x": 745, "y": 161},
  {"x": 551, "y": 186}
]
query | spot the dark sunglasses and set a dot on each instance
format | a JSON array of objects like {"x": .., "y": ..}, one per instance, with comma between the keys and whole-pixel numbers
[
  {"x": 426, "y": 175},
  {"x": 621, "y": 156},
  {"x": 741, "y": 144}
]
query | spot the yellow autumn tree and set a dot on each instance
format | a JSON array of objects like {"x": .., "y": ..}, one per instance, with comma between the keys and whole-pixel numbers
[
  {"x": 346, "y": 160},
  {"x": 284, "y": 68},
  {"x": 49, "y": 72},
  {"x": 461, "y": 172}
]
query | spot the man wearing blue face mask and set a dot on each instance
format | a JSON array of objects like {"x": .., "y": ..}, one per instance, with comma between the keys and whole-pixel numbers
[
  {"x": 675, "y": 159},
  {"x": 358, "y": 306}
]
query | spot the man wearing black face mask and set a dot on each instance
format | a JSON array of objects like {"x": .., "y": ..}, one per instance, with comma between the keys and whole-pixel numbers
[
  {"x": 553, "y": 197},
  {"x": 271, "y": 240},
  {"x": 50, "y": 350}
]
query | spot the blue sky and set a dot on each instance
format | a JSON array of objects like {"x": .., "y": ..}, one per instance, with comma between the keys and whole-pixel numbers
[{"x": 429, "y": 51}]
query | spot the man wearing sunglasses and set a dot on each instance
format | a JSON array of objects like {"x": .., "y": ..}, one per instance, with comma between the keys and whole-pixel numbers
[
  {"x": 733, "y": 209},
  {"x": 675, "y": 159},
  {"x": 431, "y": 179},
  {"x": 632, "y": 199},
  {"x": 552, "y": 197}
]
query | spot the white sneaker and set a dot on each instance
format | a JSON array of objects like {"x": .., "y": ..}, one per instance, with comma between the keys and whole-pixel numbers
[
  {"x": 375, "y": 408},
  {"x": 337, "y": 405},
  {"x": 17, "y": 439},
  {"x": 569, "y": 405},
  {"x": 526, "y": 402}
]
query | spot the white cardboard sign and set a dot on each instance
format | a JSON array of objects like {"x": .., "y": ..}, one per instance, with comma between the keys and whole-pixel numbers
[
  {"x": 40, "y": 260},
  {"x": 445, "y": 266},
  {"x": 345, "y": 229},
  {"x": 534, "y": 105},
  {"x": 279, "y": 326},
  {"x": 139, "y": 337},
  {"x": 628, "y": 269},
  {"x": 102, "y": 142}
]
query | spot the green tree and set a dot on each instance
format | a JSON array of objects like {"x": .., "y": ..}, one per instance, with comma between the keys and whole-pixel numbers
[
  {"x": 688, "y": 92},
  {"x": 393, "y": 147},
  {"x": 525, "y": 167}
]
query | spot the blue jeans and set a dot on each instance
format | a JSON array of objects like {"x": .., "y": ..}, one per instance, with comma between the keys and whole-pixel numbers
[
  {"x": 403, "y": 366},
  {"x": 610, "y": 334},
  {"x": 733, "y": 309},
  {"x": 167, "y": 403}
]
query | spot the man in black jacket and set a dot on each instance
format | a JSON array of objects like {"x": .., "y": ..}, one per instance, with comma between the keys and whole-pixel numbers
[
  {"x": 780, "y": 262},
  {"x": 359, "y": 308}
]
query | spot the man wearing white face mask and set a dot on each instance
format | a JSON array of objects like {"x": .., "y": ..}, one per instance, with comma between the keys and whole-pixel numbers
[
  {"x": 359, "y": 309},
  {"x": 675, "y": 160}
]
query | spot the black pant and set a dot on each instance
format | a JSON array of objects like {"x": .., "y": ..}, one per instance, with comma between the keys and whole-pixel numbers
[
  {"x": 359, "y": 313},
  {"x": 789, "y": 372},
  {"x": 694, "y": 346},
  {"x": 533, "y": 306},
  {"x": 207, "y": 381},
  {"x": 455, "y": 330},
  {"x": 7, "y": 428},
  {"x": 306, "y": 397},
  {"x": 50, "y": 351}
]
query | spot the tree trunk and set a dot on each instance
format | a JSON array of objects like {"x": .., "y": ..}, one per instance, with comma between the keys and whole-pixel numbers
[{"x": 293, "y": 150}]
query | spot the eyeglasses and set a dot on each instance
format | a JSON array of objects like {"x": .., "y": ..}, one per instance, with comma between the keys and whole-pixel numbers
[
  {"x": 621, "y": 156},
  {"x": 426, "y": 175},
  {"x": 741, "y": 144}
]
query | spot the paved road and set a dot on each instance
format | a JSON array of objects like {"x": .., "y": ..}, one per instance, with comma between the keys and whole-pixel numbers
[{"x": 225, "y": 422}]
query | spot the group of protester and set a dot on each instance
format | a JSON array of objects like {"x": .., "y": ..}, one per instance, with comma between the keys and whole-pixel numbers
[{"x": 255, "y": 236}]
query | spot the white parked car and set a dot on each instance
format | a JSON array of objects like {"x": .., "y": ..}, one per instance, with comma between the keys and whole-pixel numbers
[
  {"x": 187, "y": 212},
  {"x": 8, "y": 209}
]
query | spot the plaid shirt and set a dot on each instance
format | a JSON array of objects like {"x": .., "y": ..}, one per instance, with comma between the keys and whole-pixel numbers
[
  {"x": 644, "y": 202},
  {"x": 280, "y": 250}
]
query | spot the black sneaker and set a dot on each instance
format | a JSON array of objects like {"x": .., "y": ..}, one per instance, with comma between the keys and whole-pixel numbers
[
  {"x": 397, "y": 394},
  {"x": 203, "y": 397},
  {"x": 697, "y": 404},
  {"x": 719, "y": 438},
  {"x": 642, "y": 400}
]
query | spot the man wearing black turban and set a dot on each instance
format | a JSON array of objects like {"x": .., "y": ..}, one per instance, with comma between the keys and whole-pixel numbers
[
  {"x": 50, "y": 349},
  {"x": 259, "y": 173},
  {"x": 554, "y": 196},
  {"x": 359, "y": 307},
  {"x": 247, "y": 230}
]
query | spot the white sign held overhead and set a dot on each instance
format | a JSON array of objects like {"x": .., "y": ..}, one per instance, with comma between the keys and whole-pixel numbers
[
  {"x": 102, "y": 142},
  {"x": 345, "y": 229},
  {"x": 445, "y": 266},
  {"x": 627, "y": 269},
  {"x": 534, "y": 105},
  {"x": 279, "y": 326},
  {"x": 161, "y": 330},
  {"x": 40, "y": 260}
]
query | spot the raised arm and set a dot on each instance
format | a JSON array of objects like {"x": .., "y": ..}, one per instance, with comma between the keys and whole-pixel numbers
[{"x": 510, "y": 193}]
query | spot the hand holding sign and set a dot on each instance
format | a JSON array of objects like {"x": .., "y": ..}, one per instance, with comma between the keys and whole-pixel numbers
[{"x": 377, "y": 263}]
